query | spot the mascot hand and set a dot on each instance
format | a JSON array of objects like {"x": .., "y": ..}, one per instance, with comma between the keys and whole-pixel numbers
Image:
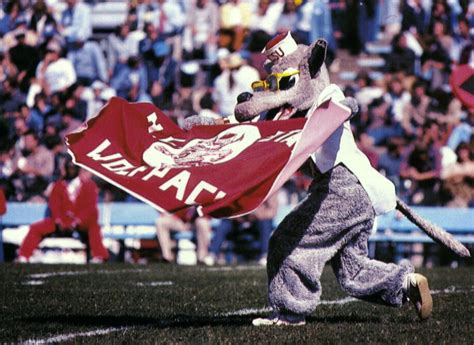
[
  {"x": 197, "y": 120},
  {"x": 351, "y": 103}
]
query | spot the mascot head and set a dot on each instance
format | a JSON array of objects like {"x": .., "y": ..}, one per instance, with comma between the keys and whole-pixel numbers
[{"x": 297, "y": 75}]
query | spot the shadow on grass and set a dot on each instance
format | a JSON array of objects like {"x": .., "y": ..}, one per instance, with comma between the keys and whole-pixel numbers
[{"x": 179, "y": 321}]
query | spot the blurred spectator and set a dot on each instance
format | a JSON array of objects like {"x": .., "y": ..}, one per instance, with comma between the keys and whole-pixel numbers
[
  {"x": 236, "y": 77},
  {"x": 266, "y": 17},
  {"x": 160, "y": 67},
  {"x": 12, "y": 14},
  {"x": 33, "y": 120},
  {"x": 398, "y": 98},
  {"x": 56, "y": 145},
  {"x": 435, "y": 61},
  {"x": 26, "y": 58},
  {"x": 422, "y": 167},
  {"x": 380, "y": 126},
  {"x": 459, "y": 177},
  {"x": 415, "y": 112},
  {"x": 288, "y": 17},
  {"x": 365, "y": 90},
  {"x": 391, "y": 17},
  {"x": 260, "y": 221},
  {"x": 402, "y": 58},
  {"x": 69, "y": 122},
  {"x": 368, "y": 21},
  {"x": 390, "y": 161},
  {"x": 414, "y": 17},
  {"x": 461, "y": 39},
  {"x": 3, "y": 202},
  {"x": 322, "y": 26},
  {"x": 201, "y": 28},
  {"x": 10, "y": 39},
  {"x": 76, "y": 21},
  {"x": 54, "y": 73},
  {"x": 463, "y": 131},
  {"x": 10, "y": 97},
  {"x": 75, "y": 99},
  {"x": 34, "y": 166},
  {"x": 131, "y": 81},
  {"x": 120, "y": 47},
  {"x": 366, "y": 145},
  {"x": 235, "y": 18},
  {"x": 88, "y": 61},
  {"x": 101, "y": 93},
  {"x": 73, "y": 206},
  {"x": 42, "y": 21},
  {"x": 168, "y": 222},
  {"x": 168, "y": 16},
  {"x": 441, "y": 13}
]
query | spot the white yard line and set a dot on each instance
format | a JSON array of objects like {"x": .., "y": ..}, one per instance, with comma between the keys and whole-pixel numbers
[
  {"x": 70, "y": 336},
  {"x": 33, "y": 282},
  {"x": 163, "y": 283},
  {"x": 234, "y": 268},
  {"x": 76, "y": 273}
]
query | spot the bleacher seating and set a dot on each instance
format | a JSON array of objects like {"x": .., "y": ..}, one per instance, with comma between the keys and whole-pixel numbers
[{"x": 136, "y": 221}]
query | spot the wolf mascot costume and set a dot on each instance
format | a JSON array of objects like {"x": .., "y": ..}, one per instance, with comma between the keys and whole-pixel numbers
[{"x": 333, "y": 223}]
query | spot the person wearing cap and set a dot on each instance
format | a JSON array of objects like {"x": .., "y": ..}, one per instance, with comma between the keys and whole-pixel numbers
[
  {"x": 236, "y": 77},
  {"x": 25, "y": 57},
  {"x": 55, "y": 73}
]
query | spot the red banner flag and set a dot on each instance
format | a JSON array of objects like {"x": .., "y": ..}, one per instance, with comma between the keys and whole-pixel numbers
[{"x": 224, "y": 170}]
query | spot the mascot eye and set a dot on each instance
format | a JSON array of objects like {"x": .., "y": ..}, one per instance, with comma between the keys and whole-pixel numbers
[{"x": 288, "y": 82}]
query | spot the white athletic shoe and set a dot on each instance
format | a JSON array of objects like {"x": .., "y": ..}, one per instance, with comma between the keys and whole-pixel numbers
[
  {"x": 418, "y": 292},
  {"x": 277, "y": 319},
  {"x": 262, "y": 261},
  {"x": 22, "y": 260},
  {"x": 209, "y": 260},
  {"x": 96, "y": 260}
]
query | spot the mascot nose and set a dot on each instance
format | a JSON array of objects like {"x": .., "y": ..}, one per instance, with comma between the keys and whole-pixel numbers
[{"x": 244, "y": 97}]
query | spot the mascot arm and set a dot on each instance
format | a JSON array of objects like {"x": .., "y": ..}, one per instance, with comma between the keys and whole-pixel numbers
[
  {"x": 197, "y": 120},
  {"x": 334, "y": 93}
]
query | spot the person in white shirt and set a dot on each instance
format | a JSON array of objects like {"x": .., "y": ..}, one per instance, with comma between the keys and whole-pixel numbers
[
  {"x": 55, "y": 73},
  {"x": 76, "y": 21},
  {"x": 236, "y": 77}
]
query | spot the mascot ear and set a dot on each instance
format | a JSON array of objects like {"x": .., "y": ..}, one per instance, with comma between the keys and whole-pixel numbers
[{"x": 318, "y": 55}]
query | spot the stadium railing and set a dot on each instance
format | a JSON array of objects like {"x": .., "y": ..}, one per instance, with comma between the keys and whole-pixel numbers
[{"x": 135, "y": 220}]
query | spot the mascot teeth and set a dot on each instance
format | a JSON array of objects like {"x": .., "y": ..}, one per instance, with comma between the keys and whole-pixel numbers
[{"x": 285, "y": 112}]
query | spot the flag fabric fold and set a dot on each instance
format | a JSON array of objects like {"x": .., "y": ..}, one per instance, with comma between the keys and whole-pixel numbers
[{"x": 223, "y": 170}]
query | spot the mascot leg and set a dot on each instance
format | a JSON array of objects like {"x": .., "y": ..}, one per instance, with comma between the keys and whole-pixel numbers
[
  {"x": 368, "y": 279},
  {"x": 333, "y": 220}
]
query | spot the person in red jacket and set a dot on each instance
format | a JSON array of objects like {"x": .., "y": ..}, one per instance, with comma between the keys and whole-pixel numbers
[
  {"x": 3, "y": 202},
  {"x": 73, "y": 205}
]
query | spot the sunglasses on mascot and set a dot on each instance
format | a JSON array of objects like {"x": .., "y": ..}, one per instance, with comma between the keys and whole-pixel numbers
[{"x": 276, "y": 81}]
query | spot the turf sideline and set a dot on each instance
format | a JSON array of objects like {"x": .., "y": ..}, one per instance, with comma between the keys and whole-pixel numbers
[{"x": 241, "y": 312}]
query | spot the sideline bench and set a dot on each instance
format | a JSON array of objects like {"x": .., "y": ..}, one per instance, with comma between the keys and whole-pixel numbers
[{"x": 130, "y": 216}]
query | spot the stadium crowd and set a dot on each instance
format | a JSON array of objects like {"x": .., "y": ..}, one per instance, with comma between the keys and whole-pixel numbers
[{"x": 195, "y": 56}]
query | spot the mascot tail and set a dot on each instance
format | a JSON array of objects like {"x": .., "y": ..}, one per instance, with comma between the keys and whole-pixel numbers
[{"x": 435, "y": 232}]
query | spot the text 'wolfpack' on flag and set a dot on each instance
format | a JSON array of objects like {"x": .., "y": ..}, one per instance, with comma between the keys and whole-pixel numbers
[{"x": 223, "y": 170}]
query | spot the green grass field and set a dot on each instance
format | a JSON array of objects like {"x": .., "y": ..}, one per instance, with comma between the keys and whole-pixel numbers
[{"x": 193, "y": 305}]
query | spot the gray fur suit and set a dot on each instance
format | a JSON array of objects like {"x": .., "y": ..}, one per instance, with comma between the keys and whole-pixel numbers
[{"x": 332, "y": 224}]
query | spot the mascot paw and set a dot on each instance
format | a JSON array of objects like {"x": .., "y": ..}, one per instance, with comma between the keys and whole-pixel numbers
[
  {"x": 352, "y": 104},
  {"x": 418, "y": 292},
  {"x": 197, "y": 120}
]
